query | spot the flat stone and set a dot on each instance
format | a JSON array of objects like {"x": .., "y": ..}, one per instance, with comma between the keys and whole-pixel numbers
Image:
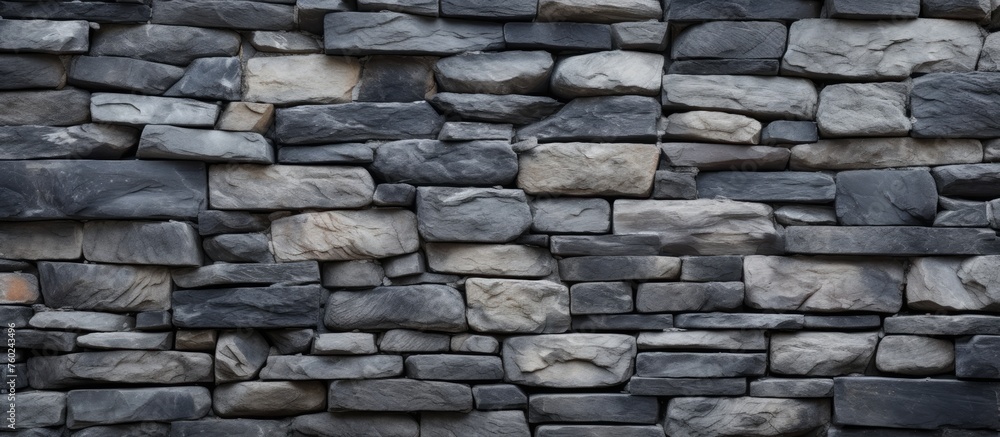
[
  {"x": 596, "y": 11},
  {"x": 110, "y": 406},
  {"x": 138, "y": 429},
  {"x": 471, "y": 214},
  {"x": 155, "y": 320},
  {"x": 755, "y": 67},
  {"x": 841, "y": 323},
  {"x": 696, "y": 417},
  {"x": 244, "y": 186},
  {"x": 870, "y": 153},
  {"x": 890, "y": 240},
  {"x": 305, "y": 367},
  {"x": 622, "y": 322},
  {"x": 68, "y": 106},
  {"x": 789, "y": 132},
  {"x": 601, "y": 298},
  {"x": 669, "y": 184},
  {"x": 310, "y": 13},
  {"x": 96, "y": 12},
  {"x": 557, "y": 430},
  {"x": 88, "y": 141},
  {"x": 604, "y": 119},
  {"x": 823, "y": 285},
  {"x": 428, "y": 306},
  {"x": 565, "y": 215},
  {"x": 803, "y": 187},
  {"x": 215, "y": 426},
  {"x": 618, "y": 268},
  {"x": 989, "y": 58},
  {"x": 723, "y": 157},
  {"x": 352, "y": 274},
  {"x": 515, "y": 109},
  {"x": 468, "y": 131},
  {"x": 475, "y": 424},
  {"x": 196, "y": 339},
  {"x": 886, "y": 197},
  {"x": 43, "y": 36},
  {"x": 821, "y": 353},
  {"x": 210, "y": 78},
  {"x": 454, "y": 367},
  {"x": 510, "y": 72},
  {"x": 122, "y": 74},
  {"x": 354, "y": 424},
  {"x": 499, "y": 397},
  {"x": 505, "y": 260},
  {"x": 359, "y": 33},
  {"x": 569, "y": 360},
  {"x": 915, "y": 403},
  {"x": 711, "y": 126},
  {"x": 221, "y": 222},
  {"x": 403, "y": 395},
  {"x": 506, "y": 305},
  {"x": 40, "y": 341},
  {"x": 731, "y": 40},
  {"x": 974, "y": 357},
  {"x": 953, "y": 284},
  {"x": 119, "y": 367},
  {"x": 300, "y": 79},
  {"x": 702, "y": 10},
  {"x": 913, "y": 355},
  {"x": 608, "y": 73},
  {"x": 317, "y": 124},
  {"x": 644, "y": 35},
  {"x": 269, "y": 398},
  {"x": 347, "y": 153},
  {"x": 239, "y": 248},
  {"x": 943, "y": 325},
  {"x": 155, "y": 341},
  {"x": 557, "y": 36},
  {"x": 244, "y": 15},
  {"x": 675, "y": 297},
  {"x": 935, "y": 97},
  {"x": 39, "y": 409},
  {"x": 136, "y": 110},
  {"x": 18, "y": 315},
  {"x": 739, "y": 321},
  {"x": 482, "y": 9},
  {"x": 81, "y": 321},
  {"x": 712, "y": 268},
  {"x": 860, "y": 10},
  {"x": 104, "y": 287},
  {"x": 975, "y": 10},
  {"x": 864, "y": 110},
  {"x": 404, "y": 265},
  {"x": 344, "y": 235},
  {"x": 396, "y": 79},
  {"x": 792, "y": 388},
  {"x": 344, "y": 343},
  {"x": 416, "y": 7},
  {"x": 605, "y": 245},
  {"x": 246, "y": 117},
  {"x": 285, "y": 42},
  {"x": 640, "y": 386},
  {"x": 27, "y": 71},
  {"x": 699, "y": 364},
  {"x": 408, "y": 341},
  {"x": 239, "y": 355},
  {"x": 472, "y": 343},
  {"x": 271, "y": 307},
  {"x": 818, "y": 47},
  {"x": 303, "y": 272},
  {"x": 805, "y": 215},
  {"x": 742, "y": 340},
  {"x": 596, "y": 407},
  {"x": 177, "y": 45},
  {"x": 611, "y": 169},
  {"x": 160, "y": 243},
  {"x": 754, "y": 96},
  {"x": 970, "y": 181}
]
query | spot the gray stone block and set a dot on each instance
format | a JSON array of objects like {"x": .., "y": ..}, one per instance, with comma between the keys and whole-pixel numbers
[
  {"x": 731, "y": 40},
  {"x": 243, "y": 427},
  {"x": 868, "y": 153},
  {"x": 805, "y": 215},
  {"x": 619, "y": 268},
  {"x": 396, "y": 78},
  {"x": 43, "y": 36},
  {"x": 353, "y": 274},
  {"x": 919, "y": 404},
  {"x": 821, "y": 353},
  {"x": 674, "y": 185},
  {"x": 65, "y": 107},
  {"x": 757, "y": 67},
  {"x": 725, "y": 157},
  {"x": 177, "y": 45},
  {"x": 87, "y": 141},
  {"x": 720, "y": 416},
  {"x": 239, "y": 355},
  {"x": 798, "y": 187},
  {"x": 622, "y": 322},
  {"x": 46, "y": 342},
  {"x": 477, "y": 344},
  {"x": 604, "y": 119},
  {"x": 514, "y": 109},
  {"x": 454, "y": 367},
  {"x": 394, "y": 195},
  {"x": 335, "y": 236},
  {"x": 81, "y": 321},
  {"x": 975, "y": 10},
  {"x": 913, "y": 355},
  {"x": 104, "y": 287},
  {"x": 613, "y": 408},
  {"x": 355, "y": 424},
  {"x": 842, "y": 323},
  {"x": 246, "y": 15},
  {"x": 18, "y": 315},
  {"x": 573, "y": 360},
  {"x": 298, "y": 43},
  {"x": 823, "y": 284},
  {"x": 327, "y": 154},
  {"x": 271, "y": 307},
  {"x": 475, "y": 424},
  {"x": 31, "y": 71},
  {"x": 557, "y": 36},
  {"x": 497, "y": 305},
  {"x": 222, "y": 222},
  {"x": 96, "y": 12},
  {"x": 977, "y": 357},
  {"x": 317, "y": 124},
  {"x": 239, "y": 248},
  {"x": 51, "y": 240},
  {"x": 210, "y": 78},
  {"x": 598, "y": 431},
  {"x": 605, "y": 245},
  {"x": 304, "y": 272},
  {"x": 639, "y": 386},
  {"x": 588, "y": 169},
  {"x": 275, "y": 187},
  {"x": 359, "y": 33},
  {"x": 679, "y": 339},
  {"x": 306, "y": 367},
  {"x": 156, "y": 341},
  {"x": 943, "y": 325},
  {"x": 268, "y": 398},
  {"x": 792, "y": 388},
  {"x": 407, "y": 341},
  {"x": 430, "y": 306},
  {"x": 161, "y": 243},
  {"x": 937, "y": 97},
  {"x": 577, "y": 10},
  {"x": 864, "y": 110},
  {"x": 417, "y": 7},
  {"x": 789, "y": 132},
  {"x": 399, "y": 395},
  {"x": 699, "y": 365},
  {"x": 754, "y": 96},
  {"x": 136, "y": 110},
  {"x": 890, "y": 240},
  {"x": 615, "y": 72},
  {"x": 739, "y": 321},
  {"x": 471, "y": 214},
  {"x": 657, "y": 297},
  {"x": 510, "y": 72},
  {"x": 972, "y": 180},
  {"x": 110, "y": 406},
  {"x": 153, "y": 320},
  {"x": 499, "y": 397},
  {"x": 468, "y": 131},
  {"x": 565, "y": 215},
  {"x": 872, "y": 10},
  {"x": 122, "y": 74},
  {"x": 700, "y": 10},
  {"x": 711, "y": 268},
  {"x": 642, "y": 35},
  {"x": 118, "y": 367},
  {"x": 601, "y": 298}
]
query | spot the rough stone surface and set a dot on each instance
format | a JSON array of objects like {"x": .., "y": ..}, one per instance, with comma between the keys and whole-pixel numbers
[
  {"x": 674, "y": 297},
  {"x": 169, "y": 142},
  {"x": 789, "y": 132},
  {"x": 764, "y": 97},
  {"x": 506, "y": 305},
  {"x": 692, "y": 417},
  {"x": 611, "y": 169},
  {"x": 351, "y": 33},
  {"x": 454, "y": 367},
  {"x": 510, "y": 72},
  {"x": 88, "y": 141},
  {"x": 399, "y": 395},
  {"x": 569, "y": 360},
  {"x": 301, "y": 79},
  {"x": 617, "y": 268},
  {"x": 104, "y": 287},
  {"x": 701, "y": 10},
  {"x": 53, "y": 240},
  {"x": 267, "y": 274},
  {"x": 731, "y": 40},
  {"x": 601, "y": 298},
  {"x": 699, "y": 364},
  {"x": 798, "y": 187},
  {"x": 821, "y": 353},
  {"x": 246, "y": 117},
  {"x": 870, "y": 153},
  {"x": 913, "y": 355},
  {"x": 823, "y": 285},
  {"x": 643, "y": 35},
  {"x": 597, "y": 11},
  {"x": 65, "y": 107},
  {"x": 475, "y": 423},
  {"x": 177, "y": 45},
  {"x": 429, "y": 306},
  {"x": 711, "y": 126},
  {"x": 43, "y": 36},
  {"x": 740, "y": 321},
  {"x": 604, "y": 119},
  {"x": 304, "y": 367},
  {"x": 698, "y": 339},
  {"x": 886, "y": 197},
  {"x": 471, "y": 214},
  {"x": 565, "y": 215},
  {"x": 608, "y": 73},
  {"x": 505, "y": 260},
  {"x": 792, "y": 388},
  {"x": 949, "y": 284},
  {"x": 974, "y": 357},
  {"x": 244, "y": 186},
  {"x": 359, "y": 121},
  {"x": 970, "y": 181},
  {"x": 687, "y": 386},
  {"x": 509, "y": 108},
  {"x": 605, "y": 407},
  {"x": 723, "y": 157},
  {"x": 123, "y": 74},
  {"x": 110, "y": 406},
  {"x": 136, "y": 110},
  {"x": 226, "y": 14},
  {"x": 432, "y": 162},
  {"x": 557, "y": 36},
  {"x": 210, "y": 78},
  {"x": 119, "y": 367},
  {"x": 864, "y": 110},
  {"x": 890, "y": 240},
  {"x": 272, "y": 307},
  {"x": 338, "y": 235},
  {"x": 162, "y": 243},
  {"x": 268, "y": 398},
  {"x": 915, "y": 404}
]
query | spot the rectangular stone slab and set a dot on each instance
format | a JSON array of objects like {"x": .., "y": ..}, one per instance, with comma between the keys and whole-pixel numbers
[
  {"x": 41, "y": 240},
  {"x": 119, "y": 367},
  {"x": 271, "y": 307},
  {"x": 701, "y": 10},
  {"x": 978, "y": 357},
  {"x": 699, "y": 364},
  {"x": 687, "y": 386},
  {"x": 919, "y": 404},
  {"x": 102, "y": 407},
  {"x": 104, "y": 287},
  {"x": 42, "y": 36},
  {"x": 890, "y": 240},
  {"x": 313, "y": 124},
  {"x": 399, "y": 395},
  {"x": 943, "y": 325},
  {"x": 361, "y": 33}
]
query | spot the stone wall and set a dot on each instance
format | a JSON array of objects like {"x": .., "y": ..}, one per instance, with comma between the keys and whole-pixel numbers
[{"x": 516, "y": 218}]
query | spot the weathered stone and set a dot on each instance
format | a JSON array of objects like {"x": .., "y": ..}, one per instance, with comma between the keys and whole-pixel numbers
[
  {"x": 515, "y": 109},
  {"x": 162, "y": 243},
  {"x": 886, "y": 197},
  {"x": 755, "y": 67},
  {"x": 915, "y": 403},
  {"x": 704, "y": 10},
  {"x": 344, "y": 235},
  {"x": 210, "y": 78},
  {"x": 88, "y": 141},
  {"x": 316, "y": 124},
  {"x": 136, "y": 109},
  {"x": 81, "y": 320},
  {"x": 93, "y": 11},
  {"x": 285, "y": 42},
  {"x": 18, "y": 289},
  {"x": 608, "y": 73},
  {"x": 711, "y": 126},
  {"x": 122, "y": 74},
  {"x": 805, "y": 215},
  {"x": 862, "y": 10},
  {"x": 755, "y": 96},
  {"x": 295, "y": 367},
  {"x": 397, "y": 79},
  {"x": 417, "y": 7},
  {"x": 699, "y": 364},
  {"x": 820, "y": 48},
  {"x": 792, "y": 388},
  {"x": 354, "y": 425},
  {"x": 65, "y": 107},
  {"x": 622, "y": 322},
  {"x": 821, "y": 353},
  {"x": 731, "y": 40},
  {"x": 220, "y": 222},
  {"x": 565, "y": 215},
  {"x": 269, "y": 398},
  {"x": 712, "y": 268},
  {"x": 104, "y": 287},
  {"x": 196, "y": 339},
  {"x": 290, "y": 341},
  {"x": 557, "y": 36},
  {"x": 484, "y": 9},
  {"x": 156, "y": 341},
  {"x": 137, "y": 429},
  {"x": 472, "y": 343},
  {"x": 475, "y": 424},
  {"x": 245, "y": 186},
  {"x": 739, "y": 321},
  {"x": 214, "y": 426},
  {"x": 119, "y": 367},
  {"x": 246, "y": 15},
  {"x": 843, "y": 323},
  {"x": 344, "y": 343},
  {"x": 358, "y": 33},
  {"x": 675, "y": 185},
  {"x": 399, "y": 395},
  {"x": 697, "y": 417},
  {"x": 865, "y": 153},
  {"x": 27, "y": 71},
  {"x": 605, "y": 245},
  {"x": 684, "y": 339},
  {"x": 434, "y": 162},
  {"x": 404, "y": 265},
  {"x": 153, "y": 320},
  {"x": 611, "y": 169},
  {"x": 499, "y": 397},
  {"x": 43, "y": 36},
  {"x": 272, "y": 307},
  {"x": 768, "y": 187},
  {"x": 246, "y": 117},
  {"x": 975, "y": 10},
  {"x": 46, "y": 342},
  {"x": 506, "y": 260},
  {"x": 224, "y": 274},
  {"x": 943, "y": 325},
  {"x": 301, "y": 79},
  {"x": 454, "y": 367},
  {"x": 674, "y": 297},
  {"x": 645, "y": 35},
  {"x": 972, "y": 180},
  {"x": 37, "y": 409},
  {"x": 596, "y": 11},
  {"x": 239, "y": 248},
  {"x": 789, "y": 132},
  {"x": 511, "y": 72},
  {"x": 569, "y": 360},
  {"x": 604, "y": 119},
  {"x": 428, "y": 306},
  {"x": 890, "y": 240},
  {"x": 617, "y": 268},
  {"x": 506, "y": 305},
  {"x": 556, "y": 430},
  {"x": 109, "y": 406},
  {"x": 353, "y": 274},
  {"x": 601, "y": 298},
  {"x": 954, "y": 284},
  {"x": 912, "y": 355},
  {"x": 989, "y": 58},
  {"x": 239, "y": 355},
  {"x": 602, "y": 407},
  {"x": 640, "y": 386},
  {"x": 721, "y": 157},
  {"x": 407, "y": 341},
  {"x": 471, "y": 214},
  {"x": 347, "y": 153},
  {"x": 177, "y": 45},
  {"x": 864, "y": 110},
  {"x": 468, "y": 131},
  {"x": 974, "y": 357},
  {"x": 823, "y": 285}
]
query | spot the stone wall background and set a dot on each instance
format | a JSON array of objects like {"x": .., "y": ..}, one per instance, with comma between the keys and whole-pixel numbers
[{"x": 501, "y": 218}]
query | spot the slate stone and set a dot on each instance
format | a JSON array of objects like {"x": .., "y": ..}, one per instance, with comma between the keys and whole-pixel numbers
[
  {"x": 505, "y": 305},
  {"x": 639, "y": 386},
  {"x": 177, "y": 143},
  {"x": 31, "y": 71},
  {"x": 963, "y": 218},
  {"x": 742, "y": 340},
  {"x": 614, "y": 72},
  {"x": 65, "y": 107},
  {"x": 119, "y": 367},
  {"x": 268, "y": 398},
  {"x": 805, "y": 215},
  {"x": 285, "y": 42},
  {"x": 396, "y": 79},
  {"x": 557, "y": 36},
  {"x": 710, "y": 126},
  {"x": 585, "y": 169},
  {"x": 239, "y": 355},
  {"x": 723, "y": 157},
  {"x": 515, "y": 109},
  {"x": 329, "y": 154},
  {"x": 354, "y": 425},
  {"x": 596, "y": 11},
  {"x": 597, "y": 407},
  {"x": 110, "y": 406},
  {"x": 644, "y": 35},
  {"x": 96, "y": 12},
  {"x": 789, "y": 132},
  {"x": 821, "y": 353},
  {"x": 246, "y": 117},
  {"x": 272, "y": 307},
  {"x": 244, "y": 186},
  {"x": 601, "y": 298},
  {"x": 408, "y": 341},
  {"x": 605, "y": 245},
  {"x": 803, "y": 187},
  {"x": 739, "y": 321},
  {"x": 305, "y": 367},
  {"x": 196, "y": 339},
  {"x": 509, "y": 72},
  {"x": 886, "y": 197},
  {"x": 43, "y": 36},
  {"x": 475, "y": 423},
  {"x": 699, "y": 365},
  {"x": 210, "y": 78},
  {"x": 104, "y": 287},
  {"x": 403, "y": 395},
  {"x": 466, "y": 131},
  {"x": 136, "y": 110},
  {"x": 618, "y": 268},
  {"x": 38, "y": 409},
  {"x": 246, "y": 15},
  {"x": 472, "y": 343},
  {"x": 520, "y": 10},
  {"x": 404, "y": 265},
  {"x": 310, "y": 13},
  {"x": 87, "y": 141},
  {"x": 842, "y": 323},
  {"x": 238, "y": 248},
  {"x": 757, "y": 67},
  {"x": 918, "y": 404},
  {"x": 454, "y": 367},
  {"x": 334, "y": 235},
  {"x": 754, "y": 96},
  {"x": 953, "y": 284},
  {"x": 622, "y": 322},
  {"x": 471, "y": 214},
  {"x": 862, "y": 10},
  {"x": 47, "y": 342},
  {"x": 675, "y": 185},
  {"x": 816, "y": 48},
  {"x": 317, "y": 124},
  {"x": 975, "y": 10},
  {"x": 299, "y": 79},
  {"x": 244, "y": 427},
  {"x": 700, "y": 10},
  {"x": 913, "y": 355},
  {"x": 499, "y": 397},
  {"x": 864, "y": 110},
  {"x": 675, "y": 297},
  {"x": 18, "y": 315},
  {"x": 732, "y": 40},
  {"x": 344, "y": 343},
  {"x": 138, "y": 429},
  {"x": 890, "y": 240},
  {"x": 122, "y": 74},
  {"x": 977, "y": 357},
  {"x": 989, "y": 57},
  {"x": 433, "y": 162},
  {"x": 963, "y": 324},
  {"x": 81, "y": 321},
  {"x": 153, "y": 320},
  {"x": 155, "y": 341},
  {"x": 569, "y": 360},
  {"x": 691, "y": 417},
  {"x": 177, "y": 45},
  {"x": 970, "y": 181},
  {"x": 161, "y": 243},
  {"x": 360, "y": 33},
  {"x": 429, "y": 306},
  {"x": 601, "y": 119},
  {"x": 870, "y": 153},
  {"x": 247, "y": 274},
  {"x": 711, "y": 268},
  {"x": 792, "y": 388},
  {"x": 416, "y": 7},
  {"x": 556, "y": 430},
  {"x": 823, "y": 284},
  {"x": 352, "y": 274}
]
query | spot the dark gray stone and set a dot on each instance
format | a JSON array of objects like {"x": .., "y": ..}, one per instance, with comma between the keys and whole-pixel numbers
[
  {"x": 310, "y": 13},
  {"x": 919, "y": 404},
  {"x": 129, "y": 242},
  {"x": 122, "y": 74},
  {"x": 675, "y": 185},
  {"x": 605, "y": 245},
  {"x": 886, "y": 197},
  {"x": 805, "y": 215},
  {"x": 18, "y": 374},
  {"x": 104, "y": 287},
  {"x": 731, "y": 416},
  {"x": 619, "y": 268},
  {"x": 399, "y": 395},
  {"x": 90, "y": 11},
  {"x": 238, "y": 14},
  {"x": 613, "y": 408},
  {"x": 307, "y": 367},
  {"x": 140, "y": 429},
  {"x": 732, "y": 40},
  {"x": 980, "y": 181},
  {"x": 598, "y": 431},
  {"x": 303, "y": 272},
  {"x": 47, "y": 342},
  {"x": 622, "y": 322},
  {"x": 843, "y": 323},
  {"x": 963, "y": 218},
  {"x": 955, "y": 105},
  {"x": 31, "y": 71},
  {"x": 153, "y": 320},
  {"x": 353, "y": 274},
  {"x": 659, "y": 297},
  {"x": 566, "y": 215},
  {"x": 407, "y": 341},
  {"x": 178, "y": 143},
  {"x": 354, "y": 425},
  {"x": 704, "y": 10},
  {"x": 87, "y": 141},
  {"x": 789, "y": 132},
  {"x": 430, "y": 306},
  {"x": 271, "y": 307},
  {"x": 221, "y": 222},
  {"x": 799, "y": 187},
  {"x": 155, "y": 341},
  {"x": 210, "y": 78},
  {"x": 699, "y": 365},
  {"x": 642, "y": 35},
  {"x": 316, "y": 124},
  {"x": 328, "y": 154},
  {"x": 432, "y": 162},
  {"x": 978, "y": 357},
  {"x": 18, "y": 315},
  {"x": 416, "y": 7},
  {"x": 41, "y": 36},
  {"x": 361, "y": 33},
  {"x": 604, "y": 119},
  {"x": 640, "y": 386},
  {"x": 240, "y": 427},
  {"x": 65, "y": 107},
  {"x": 467, "y": 131},
  {"x": 396, "y": 79},
  {"x": 290, "y": 341},
  {"x": 394, "y": 195},
  {"x": 725, "y": 157},
  {"x": 890, "y": 240},
  {"x": 515, "y": 10},
  {"x": 975, "y": 10},
  {"x": 872, "y": 10},
  {"x": 792, "y": 388},
  {"x": 758, "y": 67},
  {"x": 37, "y": 409},
  {"x": 510, "y": 72},
  {"x": 118, "y": 367},
  {"x": 110, "y": 406},
  {"x": 475, "y": 424},
  {"x": 134, "y": 109},
  {"x": 711, "y": 268},
  {"x": 404, "y": 265},
  {"x": 515, "y": 109},
  {"x": 739, "y": 321},
  {"x": 558, "y": 36},
  {"x": 177, "y": 45},
  {"x": 454, "y": 367},
  {"x": 499, "y": 397},
  {"x": 943, "y": 325},
  {"x": 239, "y": 248},
  {"x": 601, "y": 298},
  {"x": 471, "y": 214}
]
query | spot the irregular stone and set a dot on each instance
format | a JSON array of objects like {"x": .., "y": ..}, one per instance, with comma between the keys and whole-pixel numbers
[
  {"x": 301, "y": 79},
  {"x": 699, "y": 364},
  {"x": 271, "y": 307},
  {"x": 354, "y": 425},
  {"x": 617, "y": 268},
  {"x": 344, "y": 235},
  {"x": 755, "y": 96},
  {"x": 65, "y": 107},
  {"x": 18, "y": 315},
  {"x": 417, "y": 7},
  {"x": 104, "y": 287},
  {"x": 711, "y": 126},
  {"x": 739, "y": 321},
  {"x": 475, "y": 423},
  {"x": 352, "y": 274},
  {"x": 331, "y": 154},
  {"x": 596, "y": 11},
  {"x": 454, "y": 367},
  {"x": 557, "y": 430},
  {"x": 611, "y": 169},
  {"x": 505, "y": 260},
  {"x": 886, "y": 197},
  {"x": 285, "y": 42},
  {"x": 481, "y": 9},
  {"x": 243, "y": 186},
  {"x": 510, "y": 72},
  {"x": 397, "y": 79},
  {"x": 789, "y": 132},
  {"x": 597, "y": 407},
  {"x": 792, "y": 388},
  {"x": 819, "y": 48},
  {"x": 268, "y": 398},
  {"x": 953, "y": 284},
  {"x": 696, "y": 417},
  {"x": 702, "y": 10},
  {"x": 31, "y": 71},
  {"x": 601, "y": 298},
  {"x": 972, "y": 180},
  {"x": 399, "y": 395},
  {"x": 309, "y": 14},
  {"x": 239, "y": 355},
  {"x": 515, "y": 109},
  {"x": 404, "y": 265},
  {"x": 109, "y": 406},
  {"x": 565, "y": 215},
  {"x": 123, "y": 242},
  {"x": 18, "y": 288},
  {"x": 731, "y": 40},
  {"x": 471, "y": 214},
  {"x": 622, "y": 322},
  {"x": 119, "y": 367},
  {"x": 155, "y": 341},
  {"x": 864, "y": 110},
  {"x": 943, "y": 325},
  {"x": 358, "y": 33},
  {"x": 246, "y": 117},
  {"x": 684, "y": 339},
  {"x": 196, "y": 339},
  {"x": 80, "y": 320},
  {"x": 177, "y": 45},
  {"x": 434, "y": 162},
  {"x": 640, "y": 386},
  {"x": 756, "y": 67},
  {"x": 210, "y": 78},
  {"x": 645, "y": 35},
  {"x": 296, "y": 367},
  {"x": 87, "y": 141},
  {"x": 569, "y": 360},
  {"x": 407, "y": 341},
  {"x": 153, "y": 320},
  {"x": 890, "y": 240},
  {"x": 122, "y": 74},
  {"x": 467, "y": 131},
  {"x": 865, "y": 153},
  {"x": 43, "y": 36},
  {"x": 136, "y": 109},
  {"x": 557, "y": 36},
  {"x": 608, "y": 73},
  {"x": 823, "y": 285},
  {"x": 915, "y": 403},
  {"x": 290, "y": 341},
  {"x": 239, "y": 248},
  {"x": 505, "y": 305},
  {"x": 673, "y": 297},
  {"x": 821, "y": 353},
  {"x": 973, "y": 357},
  {"x": 312, "y": 124},
  {"x": 604, "y": 119},
  {"x": 721, "y": 157},
  {"x": 245, "y": 15},
  {"x": 975, "y": 10},
  {"x": 803, "y": 215},
  {"x": 860, "y": 10},
  {"x": 912, "y": 355},
  {"x": 712, "y": 268},
  {"x": 428, "y": 306}
]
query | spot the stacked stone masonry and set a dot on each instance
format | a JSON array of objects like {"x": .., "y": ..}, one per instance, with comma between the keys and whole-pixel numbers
[{"x": 518, "y": 218}]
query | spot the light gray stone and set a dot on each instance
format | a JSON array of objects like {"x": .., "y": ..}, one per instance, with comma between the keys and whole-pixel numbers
[
  {"x": 359, "y": 33},
  {"x": 509, "y": 72},
  {"x": 305, "y": 367},
  {"x": 862, "y": 10},
  {"x": 508, "y": 108},
  {"x": 601, "y": 298},
  {"x": 169, "y": 142},
  {"x": 285, "y": 42},
  {"x": 268, "y": 398},
  {"x": 644, "y": 35},
  {"x": 704, "y": 417},
  {"x": 344, "y": 343},
  {"x": 65, "y": 107},
  {"x": 487, "y": 10},
  {"x": 569, "y": 360},
  {"x": 711, "y": 126},
  {"x": 989, "y": 59},
  {"x": 712, "y": 268},
  {"x": 43, "y": 36},
  {"x": 890, "y": 240},
  {"x": 599, "y": 12},
  {"x": 156, "y": 341},
  {"x": 723, "y": 157},
  {"x": 481, "y": 215},
  {"x": 565, "y": 215},
  {"x": 110, "y": 406},
  {"x": 247, "y": 186},
  {"x": 427, "y": 306},
  {"x": 744, "y": 340},
  {"x": 119, "y": 367},
  {"x": 641, "y": 386},
  {"x": 608, "y": 73},
  {"x": 913, "y": 355},
  {"x": 432, "y": 162},
  {"x": 136, "y": 109},
  {"x": 304, "y": 272},
  {"x": 475, "y": 424},
  {"x": 755, "y": 96},
  {"x": 469, "y": 131},
  {"x": 344, "y": 235},
  {"x": 584, "y": 169},
  {"x": 674, "y": 297},
  {"x": 731, "y": 40},
  {"x": 864, "y": 110},
  {"x": 870, "y": 153},
  {"x": 399, "y": 395},
  {"x": 739, "y": 321},
  {"x": 822, "y": 353},
  {"x": 404, "y": 265},
  {"x": 37, "y": 409},
  {"x": 246, "y": 117},
  {"x": 104, "y": 287},
  {"x": 505, "y": 260},
  {"x": 301, "y": 79},
  {"x": 975, "y": 10},
  {"x": 130, "y": 242},
  {"x": 416, "y": 7},
  {"x": 177, "y": 45},
  {"x": 954, "y": 284},
  {"x": 346, "y": 153},
  {"x": 517, "y": 306},
  {"x": 88, "y": 141},
  {"x": 82, "y": 321}
]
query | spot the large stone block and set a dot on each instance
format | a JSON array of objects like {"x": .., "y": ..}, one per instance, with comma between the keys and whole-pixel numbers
[
  {"x": 731, "y": 417},
  {"x": 271, "y": 307},
  {"x": 823, "y": 285},
  {"x": 449, "y": 367},
  {"x": 963, "y": 324},
  {"x": 599, "y": 119},
  {"x": 137, "y": 109},
  {"x": 569, "y": 360},
  {"x": 269, "y": 398},
  {"x": 915, "y": 404},
  {"x": 822, "y": 353},
  {"x": 482, "y": 215},
  {"x": 976, "y": 357},
  {"x": 583, "y": 169},
  {"x": 247, "y": 186},
  {"x": 504, "y": 260},
  {"x": 399, "y": 395},
  {"x": 307, "y": 367},
  {"x": 724, "y": 157},
  {"x": 122, "y": 74},
  {"x": 756, "y": 96},
  {"x": 387, "y": 78},
  {"x": 711, "y": 126},
  {"x": 786, "y": 186},
  {"x": 110, "y": 406},
  {"x": 954, "y": 105},
  {"x": 317, "y": 124},
  {"x": 247, "y": 15},
  {"x": 608, "y": 73},
  {"x": 740, "y": 321},
  {"x": 301, "y": 79},
  {"x": 557, "y": 36},
  {"x": 123, "y": 242},
  {"x": 890, "y": 240},
  {"x": 119, "y": 367},
  {"x": 509, "y": 305},
  {"x": 914, "y": 355},
  {"x": 210, "y": 78},
  {"x": 359, "y": 33},
  {"x": 684, "y": 296},
  {"x": 432, "y": 162},
  {"x": 177, "y": 45},
  {"x": 731, "y": 40},
  {"x": 954, "y": 284},
  {"x": 426, "y": 306},
  {"x": 65, "y": 107},
  {"x": 510, "y": 72},
  {"x": 864, "y": 110},
  {"x": 43, "y": 36},
  {"x": 53, "y": 240},
  {"x": 169, "y": 142},
  {"x": 104, "y": 287},
  {"x": 604, "y": 245},
  {"x": 972, "y": 180},
  {"x": 87, "y": 141},
  {"x": 566, "y": 215},
  {"x": 344, "y": 235},
  {"x": 868, "y": 153}
]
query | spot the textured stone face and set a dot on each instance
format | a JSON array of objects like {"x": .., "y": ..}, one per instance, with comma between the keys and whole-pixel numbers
[
  {"x": 57, "y": 37},
  {"x": 119, "y": 367},
  {"x": 913, "y": 355},
  {"x": 569, "y": 360},
  {"x": 821, "y": 353},
  {"x": 344, "y": 235},
  {"x": 915, "y": 404},
  {"x": 886, "y": 197},
  {"x": 954, "y": 284},
  {"x": 506, "y": 260},
  {"x": 471, "y": 214},
  {"x": 723, "y": 157},
  {"x": 168, "y": 142},
  {"x": 711, "y": 126},
  {"x": 432, "y": 162},
  {"x": 696, "y": 417},
  {"x": 301, "y": 79},
  {"x": 163, "y": 243},
  {"x": 244, "y": 186},
  {"x": 104, "y": 287},
  {"x": 177, "y": 45},
  {"x": 123, "y": 74},
  {"x": 601, "y": 119},
  {"x": 399, "y": 395},
  {"x": 869, "y": 153},
  {"x": 52, "y": 240},
  {"x": 136, "y": 109},
  {"x": 731, "y": 39},
  {"x": 510, "y": 108},
  {"x": 597, "y": 11},
  {"x": 864, "y": 110},
  {"x": 110, "y": 406},
  {"x": 608, "y": 73},
  {"x": 823, "y": 285},
  {"x": 63, "y": 107},
  {"x": 765, "y": 97},
  {"x": 360, "y": 121},
  {"x": 799, "y": 187},
  {"x": 507, "y": 305},
  {"x": 269, "y": 398},
  {"x": 239, "y": 355},
  {"x": 952, "y": 106},
  {"x": 475, "y": 424},
  {"x": 427, "y": 306},
  {"x": 92, "y": 141},
  {"x": 611, "y": 169},
  {"x": 273, "y": 307},
  {"x": 350, "y": 33},
  {"x": 510, "y": 72}
]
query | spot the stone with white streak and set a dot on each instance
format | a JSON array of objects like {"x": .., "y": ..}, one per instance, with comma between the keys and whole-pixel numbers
[
  {"x": 248, "y": 186},
  {"x": 301, "y": 79},
  {"x": 136, "y": 109},
  {"x": 43, "y": 36},
  {"x": 585, "y": 169},
  {"x": 755, "y": 96},
  {"x": 344, "y": 235},
  {"x": 569, "y": 360},
  {"x": 509, "y": 72},
  {"x": 710, "y": 126},
  {"x": 509, "y": 305},
  {"x": 954, "y": 284},
  {"x": 823, "y": 285},
  {"x": 90, "y": 141},
  {"x": 608, "y": 73}
]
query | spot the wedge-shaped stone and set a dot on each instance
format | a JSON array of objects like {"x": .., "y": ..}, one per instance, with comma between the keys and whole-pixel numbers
[
  {"x": 508, "y": 305},
  {"x": 471, "y": 214},
  {"x": 696, "y": 339},
  {"x": 704, "y": 417},
  {"x": 723, "y": 157},
  {"x": 239, "y": 355},
  {"x": 136, "y": 109},
  {"x": 866, "y": 153},
  {"x": 569, "y": 360},
  {"x": 972, "y": 180},
  {"x": 344, "y": 235},
  {"x": 890, "y": 240},
  {"x": 52, "y": 240},
  {"x": 110, "y": 406},
  {"x": 432, "y": 162},
  {"x": 584, "y": 169},
  {"x": 822, "y": 353},
  {"x": 975, "y": 357},
  {"x": 712, "y": 126},
  {"x": 177, "y": 45},
  {"x": 230, "y": 14},
  {"x": 302, "y": 272},
  {"x": 301, "y": 79},
  {"x": 953, "y": 105},
  {"x": 510, "y": 72},
  {"x": 699, "y": 364},
  {"x": 878, "y": 50},
  {"x": 399, "y": 395},
  {"x": 247, "y": 186},
  {"x": 87, "y": 141},
  {"x": 475, "y": 424},
  {"x": 359, "y": 33},
  {"x": 823, "y": 285},
  {"x": 756, "y": 96},
  {"x": 43, "y": 36},
  {"x": 598, "y": 11},
  {"x": 65, "y": 107},
  {"x": 617, "y": 268},
  {"x": 269, "y": 398},
  {"x": 271, "y": 307},
  {"x": 701, "y": 227},
  {"x": 685, "y": 296},
  {"x": 915, "y": 404},
  {"x": 799, "y": 187},
  {"x": 608, "y": 73},
  {"x": 592, "y": 407},
  {"x": 507, "y": 108},
  {"x": 427, "y": 306},
  {"x": 316, "y": 124},
  {"x": 604, "y": 119},
  {"x": 119, "y": 367},
  {"x": 506, "y": 260},
  {"x": 169, "y": 142},
  {"x": 731, "y": 40},
  {"x": 954, "y": 284},
  {"x": 104, "y": 287},
  {"x": 127, "y": 242},
  {"x": 122, "y": 74},
  {"x": 82, "y": 321}
]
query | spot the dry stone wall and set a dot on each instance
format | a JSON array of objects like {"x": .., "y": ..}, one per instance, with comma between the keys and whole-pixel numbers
[{"x": 548, "y": 218}]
